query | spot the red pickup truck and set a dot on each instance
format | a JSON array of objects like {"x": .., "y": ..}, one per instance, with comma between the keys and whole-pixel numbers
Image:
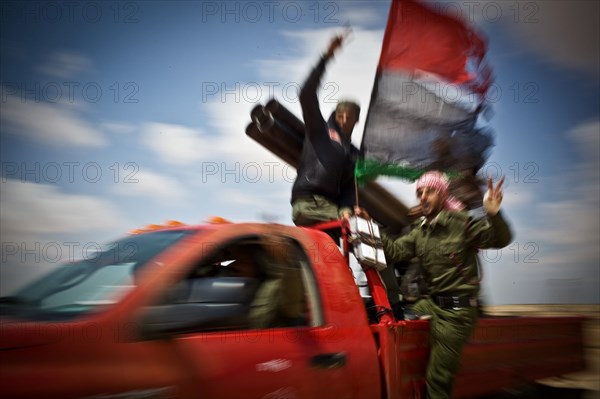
[{"x": 244, "y": 311}]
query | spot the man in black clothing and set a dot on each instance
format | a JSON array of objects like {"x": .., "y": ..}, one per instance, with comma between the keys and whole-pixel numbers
[{"x": 324, "y": 187}]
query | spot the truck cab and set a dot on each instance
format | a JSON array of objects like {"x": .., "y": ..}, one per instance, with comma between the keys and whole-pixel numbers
[{"x": 214, "y": 311}]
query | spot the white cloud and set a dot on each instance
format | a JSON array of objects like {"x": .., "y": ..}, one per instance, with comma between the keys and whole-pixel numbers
[
  {"x": 48, "y": 123},
  {"x": 586, "y": 138},
  {"x": 29, "y": 208},
  {"x": 568, "y": 229},
  {"x": 359, "y": 16},
  {"x": 152, "y": 186},
  {"x": 118, "y": 127},
  {"x": 65, "y": 65},
  {"x": 177, "y": 144}
]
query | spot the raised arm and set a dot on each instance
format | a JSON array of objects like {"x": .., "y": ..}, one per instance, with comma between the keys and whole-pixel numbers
[{"x": 316, "y": 127}]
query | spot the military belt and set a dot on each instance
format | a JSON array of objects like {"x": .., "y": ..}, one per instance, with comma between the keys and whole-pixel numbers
[{"x": 455, "y": 302}]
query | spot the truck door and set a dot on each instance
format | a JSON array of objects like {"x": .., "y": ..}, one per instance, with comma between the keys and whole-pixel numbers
[{"x": 251, "y": 325}]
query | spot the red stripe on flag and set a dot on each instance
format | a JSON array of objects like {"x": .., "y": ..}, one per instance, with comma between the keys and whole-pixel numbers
[{"x": 420, "y": 38}]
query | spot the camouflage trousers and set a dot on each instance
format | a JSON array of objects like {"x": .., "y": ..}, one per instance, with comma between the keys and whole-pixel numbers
[
  {"x": 312, "y": 210},
  {"x": 450, "y": 330}
]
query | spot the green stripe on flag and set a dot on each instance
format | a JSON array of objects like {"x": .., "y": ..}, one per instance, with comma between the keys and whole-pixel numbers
[{"x": 368, "y": 169}]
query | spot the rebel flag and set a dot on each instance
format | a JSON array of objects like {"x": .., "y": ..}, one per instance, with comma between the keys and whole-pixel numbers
[{"x": 428, "y": 97}]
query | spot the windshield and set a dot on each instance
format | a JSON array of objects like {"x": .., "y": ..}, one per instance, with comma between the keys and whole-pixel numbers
[{"x": 90, "y": 284}]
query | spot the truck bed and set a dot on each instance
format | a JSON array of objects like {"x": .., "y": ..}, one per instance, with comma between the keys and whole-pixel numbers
[
  {"x": 503, "y": 352},
  {"x": 512, "y": 350}
]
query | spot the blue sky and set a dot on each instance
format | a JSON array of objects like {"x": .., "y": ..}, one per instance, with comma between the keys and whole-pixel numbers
[{"x": 114, "y": 115}]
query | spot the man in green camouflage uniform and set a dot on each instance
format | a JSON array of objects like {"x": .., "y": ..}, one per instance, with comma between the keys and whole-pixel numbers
[{"x": 446, "y": 241}]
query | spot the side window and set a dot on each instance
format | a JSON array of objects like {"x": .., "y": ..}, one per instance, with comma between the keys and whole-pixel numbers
[
  {"x": 288, "y": 296},
  {"x": 256, "y": 282}
]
